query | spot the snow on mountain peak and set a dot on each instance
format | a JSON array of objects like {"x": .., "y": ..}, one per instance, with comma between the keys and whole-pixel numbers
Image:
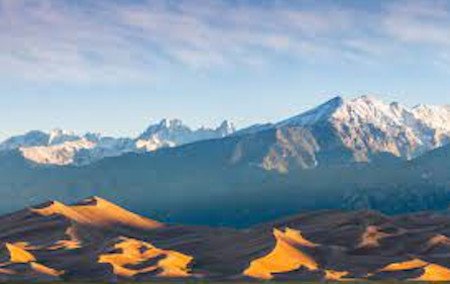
[
  {"x": 59, "y": 136},
  {"x": 226, "y": 128},
  {"x": 171, "y": 133},
  {"x": 367, "y": 125},
  {"x": 29, "y": 139},
  {"x": 364, "y": 125},
  {"x": 320, "y": 113}
]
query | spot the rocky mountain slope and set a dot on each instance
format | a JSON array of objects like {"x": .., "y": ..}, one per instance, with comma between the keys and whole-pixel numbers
[
  {"x": 360, "y": 130},
  {"x": 97, "y": 240},
  {"x": 367, "y": 126}
]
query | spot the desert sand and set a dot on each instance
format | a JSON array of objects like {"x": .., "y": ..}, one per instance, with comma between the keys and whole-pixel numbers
[{"x": 97, "y": 240}]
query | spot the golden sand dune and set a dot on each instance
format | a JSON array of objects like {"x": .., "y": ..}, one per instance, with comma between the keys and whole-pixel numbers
[
  {"x": 405, "y": 265},
  {"x": 98, "y": 212},
  {"x": 58, "y": 208},
  {"x": 332, "y": 275},
  {"x": 431, "y": 271},
  {"x": 45, "y": 270},
  {"x": 104, "y": 213},
  {"x": 434, "y": 272},
  {"x": 286, "y": 256},
  {"x": 138, "y": 257},
  {"x": 18, "y": 254},
  {"x": 97, "y": 240}
]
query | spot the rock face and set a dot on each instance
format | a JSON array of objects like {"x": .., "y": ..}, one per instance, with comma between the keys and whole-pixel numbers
[
  {"x": 99, "y": 241},
  {"x": 368, "y": 127}
]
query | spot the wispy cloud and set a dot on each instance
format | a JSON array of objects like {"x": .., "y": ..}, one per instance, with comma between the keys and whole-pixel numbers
[
  {"x": 422, "y": 22},
  {"x": 129, "y": 40}
]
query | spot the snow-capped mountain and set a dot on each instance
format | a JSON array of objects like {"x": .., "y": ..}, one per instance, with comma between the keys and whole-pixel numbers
[
  {"x": 368, "y": 126},
  {"x": 340, "y": 130},
  {"x": 30, "y": 139},
  {"x": 59, "y": 147},
  {"x": 170, "y": 133},
  {"x": 82, "y": 151}
]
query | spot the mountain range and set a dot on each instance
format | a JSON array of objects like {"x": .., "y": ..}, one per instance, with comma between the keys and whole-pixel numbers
[
  {"x": 359, "y": 153},
  {"x": 96, "y": 240},
  {"x": 61, "y": 147}
]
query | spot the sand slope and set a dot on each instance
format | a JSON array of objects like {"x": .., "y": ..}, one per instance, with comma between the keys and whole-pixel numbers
[
  {"x": 97, "y": 240},
  {"x": 286, "y": 256}
]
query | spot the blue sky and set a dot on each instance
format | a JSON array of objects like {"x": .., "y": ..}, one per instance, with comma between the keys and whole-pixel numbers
[{"x": 117, "y": 66}]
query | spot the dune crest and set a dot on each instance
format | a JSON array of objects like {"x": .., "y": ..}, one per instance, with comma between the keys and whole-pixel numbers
[
  {"x": 332, "y": 275},
  {"x": 285, "y": 257},
  {"x": 404, "y": 265},
  {"x": 434, "y": 272},
  {"x": 138, "y": 257},
  {"x": 18, "y": 254},
  {"x": 58, "y": 208},
  {"x": 45, "y": 269},
  {"x": 294, "y": 236},
  {"x": 431, "y": 271},
  {"x": 98, "y": 212},
  {"x": 104, "y": 213}
]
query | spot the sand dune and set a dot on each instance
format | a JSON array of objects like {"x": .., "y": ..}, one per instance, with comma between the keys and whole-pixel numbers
[
  {"x": 137, "y": 257},
  {"x": 18, "y": 254},
  {"x": 98, "y": 212},
  {"x": 434, "y": 272},
  {"x": 45, "y": 270},
  {"x": 286, "y": 256},
  {"x": 429, "y": 271},
  {"x": 97, "y": 240},
  {"x": 23, "y": 265},
  {"x": 103, "y": 213},
  {"x": 405, "y": 265}
]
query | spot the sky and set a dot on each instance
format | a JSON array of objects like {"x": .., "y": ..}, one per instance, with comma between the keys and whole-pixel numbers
[{"x": 117, "y": 66}]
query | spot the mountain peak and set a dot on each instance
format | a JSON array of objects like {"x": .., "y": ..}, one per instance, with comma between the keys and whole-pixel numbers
[
  {"x": 171, "y": 123},
  {"x": 367, "y": 99},
  {"x": 337, "y": 100},
  {"x": 367, "y": 126},
  {"x": 226, "y": 128},
  {"x": 29, "y": 139},
  {"x": 59, "y": 136},
  {"x": 320, "y": 113}
]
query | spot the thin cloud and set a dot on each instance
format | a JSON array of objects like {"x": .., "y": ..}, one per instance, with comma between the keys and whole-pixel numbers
[
  {"x": 104, "y": 41},
  {"x": 421, "y": 22}
]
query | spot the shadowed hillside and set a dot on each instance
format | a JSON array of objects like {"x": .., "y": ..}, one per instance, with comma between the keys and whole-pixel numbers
[{"x": 222, "y": 182}]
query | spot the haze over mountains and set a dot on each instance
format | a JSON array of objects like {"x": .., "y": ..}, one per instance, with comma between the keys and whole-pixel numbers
[
  {"x": 96, "y": 240},
  {"x": 344, "y": 154}
]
